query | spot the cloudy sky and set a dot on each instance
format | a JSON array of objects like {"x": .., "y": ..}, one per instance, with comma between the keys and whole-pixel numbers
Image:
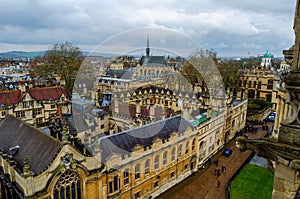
[{"x": 230, "y": 27}]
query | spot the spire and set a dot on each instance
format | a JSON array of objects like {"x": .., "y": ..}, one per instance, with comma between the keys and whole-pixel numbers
[{"x": 148, "y": 48}]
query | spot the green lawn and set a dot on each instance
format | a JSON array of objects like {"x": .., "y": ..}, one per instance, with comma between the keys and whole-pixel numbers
[{"x": 252, "y": 182}]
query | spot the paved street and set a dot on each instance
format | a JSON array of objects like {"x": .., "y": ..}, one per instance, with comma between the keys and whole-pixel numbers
[{"x": 204, "y": 183}]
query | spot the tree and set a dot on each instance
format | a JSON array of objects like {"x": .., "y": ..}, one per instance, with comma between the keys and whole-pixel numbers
[
  {"x": 63, "y": 60},
  {"x": 201, "y": 69}
]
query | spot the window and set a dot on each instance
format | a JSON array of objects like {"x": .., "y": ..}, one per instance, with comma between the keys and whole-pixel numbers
[
  {"x": 193, "y": 144},
  {"x": 39, "y": 120},
  {"x": 3, "y": 113},
  {"x": 269, "y": 97},
  {"x": 147, "y": 166},
  {"x": 137, "y": 195},
  {"x": 114, "y": 185},
  {"x": 156, "y": 162},
  {"x": 137, "y": 170},
  {"x": 37, "y": 111},
  {"x": 102, "y": 126},
  {"x": 67, "y": 186},
  {"x": 172, "y": 174},
  {"x": 217, "y": 135},
  {"x": 155, "y": 184},
  {"x": 20, "y": 114},
  {"x": 165, "y": 156},
  {"x": 126, "y": 177},
  {"x": 270, "y": 84},
  {"x": 233, "y": 123},
  {"x": 187, "y": 147},
  {"x": 25, "y": 104},
  {"x": 259, "y": 85},
  {"x": 251, "y": 94},
  {"x": 173, "y": 154},
  {"x": 180, "y": 151},
  {"x": 186, "y": 166}
]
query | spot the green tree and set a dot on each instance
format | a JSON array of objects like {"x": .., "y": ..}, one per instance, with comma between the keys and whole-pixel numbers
[{"x": 63, "y": 60}]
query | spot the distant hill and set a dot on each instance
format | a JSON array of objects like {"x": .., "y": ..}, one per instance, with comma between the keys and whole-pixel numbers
[
  {"x": 21, "y": 54},
  {"x": 34, "y": 54}
]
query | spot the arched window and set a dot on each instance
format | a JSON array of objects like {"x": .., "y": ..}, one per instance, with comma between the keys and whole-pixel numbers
[
  {"x": 233, "y": 123},
  {"x": 187, "y": 147},
  {"x": 147, "y": 166},
  {"x": 67, "y": 186},
  {"x": 165, "y": 156},
  {"x": 180, "y": 151},
  {"x": 156, "y": 162},
  {"x": 193, "y": 144},
  {"x": 173, "y": 154},
  {"x": 137, "y": 170}
]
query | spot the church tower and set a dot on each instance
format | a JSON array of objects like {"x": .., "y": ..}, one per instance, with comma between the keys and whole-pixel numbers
[{"x": 266, "y": 60}]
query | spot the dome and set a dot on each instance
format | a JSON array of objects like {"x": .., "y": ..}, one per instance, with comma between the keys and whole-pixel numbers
[{"x": 267, "y": 55}]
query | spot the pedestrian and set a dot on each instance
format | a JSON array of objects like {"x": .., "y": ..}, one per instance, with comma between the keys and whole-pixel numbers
[
  {"x": 224, "y": 170},
  {"x": 218, "y": 183}
]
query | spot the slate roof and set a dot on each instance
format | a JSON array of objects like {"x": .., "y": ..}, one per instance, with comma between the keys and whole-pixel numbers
[
  {"x": 11, "y": 97},
  {"x": 124, "y": 142},
  {"x": 120, "y": 74},
  {"x": 40, "y": 148},
  {"x": 153, "y": 61},
  {"x": 48, "y": 93}
]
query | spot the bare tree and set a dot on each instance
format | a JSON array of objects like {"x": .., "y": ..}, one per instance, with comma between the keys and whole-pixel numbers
[{"x": 63, "y": 60}]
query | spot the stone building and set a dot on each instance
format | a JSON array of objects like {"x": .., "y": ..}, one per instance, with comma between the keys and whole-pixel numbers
[
  {"x": 139, "y": 163},
  {"x": 259, "y": 82}
]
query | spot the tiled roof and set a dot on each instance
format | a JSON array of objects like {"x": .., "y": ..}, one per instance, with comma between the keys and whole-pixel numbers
[
  {"x": 124, "y": 142},
  {"x": 48, "y": 93},
  {"x": 11, "y": 97},
  {"x": 40, "y": 148}
]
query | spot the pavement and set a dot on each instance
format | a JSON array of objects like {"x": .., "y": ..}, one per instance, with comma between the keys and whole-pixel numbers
[{"x": 203, "y": 184}]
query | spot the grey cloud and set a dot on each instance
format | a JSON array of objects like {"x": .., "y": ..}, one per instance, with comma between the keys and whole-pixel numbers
[{"x": 218, "y": 24}]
